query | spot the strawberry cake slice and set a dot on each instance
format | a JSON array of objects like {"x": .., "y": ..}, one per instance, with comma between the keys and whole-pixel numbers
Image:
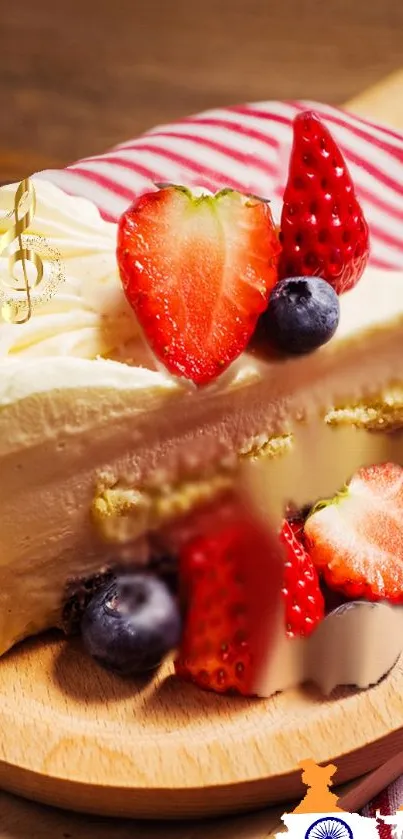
[{"x": 196, "y": 333}]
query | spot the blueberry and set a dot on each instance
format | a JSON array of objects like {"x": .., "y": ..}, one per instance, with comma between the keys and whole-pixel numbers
[
  {"x": 303, "y": 313},
  {"x": 131, "y": 623}
]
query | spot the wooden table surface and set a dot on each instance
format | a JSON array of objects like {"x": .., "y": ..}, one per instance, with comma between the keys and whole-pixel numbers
[{"x": 79, "y": 76}]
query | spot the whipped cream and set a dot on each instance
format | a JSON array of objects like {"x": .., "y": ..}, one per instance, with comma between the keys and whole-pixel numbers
[
  {"x": 88, "y": 318},
  {"x": 88, "y": 315}
]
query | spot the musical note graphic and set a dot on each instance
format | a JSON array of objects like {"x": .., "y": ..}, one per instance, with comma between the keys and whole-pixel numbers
[{"x": 24, "y": 196}]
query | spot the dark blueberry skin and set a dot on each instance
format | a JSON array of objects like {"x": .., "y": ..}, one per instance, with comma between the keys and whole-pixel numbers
[
  {"x": 131, "y": 623},
  {"x": 303, "y": 313}
]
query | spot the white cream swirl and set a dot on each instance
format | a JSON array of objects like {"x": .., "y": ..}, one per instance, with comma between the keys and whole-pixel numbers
[{"x": 88, "y": 316}]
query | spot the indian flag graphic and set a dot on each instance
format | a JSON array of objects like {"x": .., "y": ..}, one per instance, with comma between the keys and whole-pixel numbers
[
  {"x": 328, "y": 826},
  {"x": 319, "y": 816}
]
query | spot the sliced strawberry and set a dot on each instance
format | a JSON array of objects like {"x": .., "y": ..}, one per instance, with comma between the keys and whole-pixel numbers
[
  {"x": 304, "y": 602},
  {"x": 357, "y": 539},
  {"x": 323, "y": 229},
  {"x": 233, "y": 592},
  {"x": 198, "y": 272}
]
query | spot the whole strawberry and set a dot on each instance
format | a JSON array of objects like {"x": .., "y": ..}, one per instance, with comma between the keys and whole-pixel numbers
[
  {"x": 234, "y": 584},
  {"x": 323, "y": 229},
  {"x": 198, "y": 272}
]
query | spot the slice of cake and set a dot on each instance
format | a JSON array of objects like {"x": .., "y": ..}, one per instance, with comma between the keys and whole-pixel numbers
[{"x": 129, "y": 396}]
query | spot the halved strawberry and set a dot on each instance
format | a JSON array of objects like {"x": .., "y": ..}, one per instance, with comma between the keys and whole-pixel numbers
[
  {"x": 356, "y": 540},
  {"x": 303, "y": 599},
  {"x": 198, "y": 272},
  {"x": 233, "y": 592},
  {"x": 323, "y": 229}
]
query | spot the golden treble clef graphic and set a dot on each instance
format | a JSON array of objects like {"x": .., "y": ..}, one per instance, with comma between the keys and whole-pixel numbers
[{"x": 24, "y": 196}]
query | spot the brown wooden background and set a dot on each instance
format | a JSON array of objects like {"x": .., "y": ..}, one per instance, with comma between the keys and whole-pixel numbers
[{"x": 80, "y": 75}]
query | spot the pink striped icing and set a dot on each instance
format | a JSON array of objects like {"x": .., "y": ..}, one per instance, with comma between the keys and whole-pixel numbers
[{"x": 247, "y": 147}]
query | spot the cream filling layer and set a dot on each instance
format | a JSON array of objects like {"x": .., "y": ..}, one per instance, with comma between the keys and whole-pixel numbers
[
  {"x": 375, "y": 306},
  {"x": 57, "y": 443}
]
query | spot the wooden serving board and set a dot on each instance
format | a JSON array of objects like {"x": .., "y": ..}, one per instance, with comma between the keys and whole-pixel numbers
[
  {"x": 78, "y": 737},
  {"x": 75, "y": 736}
]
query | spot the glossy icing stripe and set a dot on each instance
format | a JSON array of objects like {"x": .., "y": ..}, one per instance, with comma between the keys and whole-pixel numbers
[
  {"x": 248, "y": 155},
  {"x": 247, "y": 147},
  {"x": 160, "y": 153}
]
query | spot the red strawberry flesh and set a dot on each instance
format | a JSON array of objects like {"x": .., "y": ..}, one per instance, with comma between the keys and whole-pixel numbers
[
  {"x": 303, "y": 599},
  {"x": 357, "y": 541},
  {"x": 233, "y": 593},
  {"x": 323, "y": 229},
  {"x": 198, "y": 273}
]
